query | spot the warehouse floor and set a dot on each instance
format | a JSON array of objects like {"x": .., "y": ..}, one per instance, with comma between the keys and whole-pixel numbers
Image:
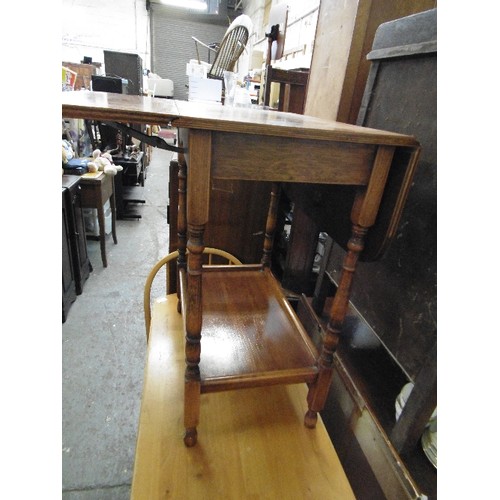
[{"x": 103, "y": 351}]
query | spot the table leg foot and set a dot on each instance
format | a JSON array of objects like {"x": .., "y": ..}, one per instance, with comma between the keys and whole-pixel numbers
[
  {"x": 191, "y": 437},
  {"x": 310, "y": 419}
]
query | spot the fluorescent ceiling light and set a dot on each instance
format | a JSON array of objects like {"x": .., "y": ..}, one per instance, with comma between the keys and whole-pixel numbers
[{"x": 187, "y": 4}]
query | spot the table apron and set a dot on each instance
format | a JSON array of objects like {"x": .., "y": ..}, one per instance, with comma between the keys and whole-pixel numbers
[
  {"x": 95, "y": 193},
  {"x": 253, "y": 157}
]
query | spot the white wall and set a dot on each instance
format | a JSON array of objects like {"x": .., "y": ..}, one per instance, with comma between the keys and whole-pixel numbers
[{"x": 91, "y": 26}]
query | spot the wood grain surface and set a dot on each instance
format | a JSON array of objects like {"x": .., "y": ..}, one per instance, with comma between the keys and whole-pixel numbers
[
  {"x": 252, "y": 443},
  {"x": 215, "y": 117}
]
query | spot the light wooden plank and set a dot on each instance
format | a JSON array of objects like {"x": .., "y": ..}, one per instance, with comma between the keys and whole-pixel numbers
[
  {"x": 252, "y": 443},
  {"x": 339, "y": 67}
]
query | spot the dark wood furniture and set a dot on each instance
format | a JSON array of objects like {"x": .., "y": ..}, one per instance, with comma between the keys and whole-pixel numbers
[
  {"x": 76, "y": 265},
  {"x": 238, "y": 212},
  {"x": 96, "y": 190},
  {"x": 292, "y": 88},
  {"x": 129, "y": 184},
  {"x": 390, "y": 335},
  {"x": 68, "y": 273},
  {"x": 229, "y": 143}
]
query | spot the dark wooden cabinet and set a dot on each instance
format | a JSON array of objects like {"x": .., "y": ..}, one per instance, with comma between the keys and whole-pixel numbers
[
  {"x": 68, "y": 275},
  {"x": 76, "y": 266}
]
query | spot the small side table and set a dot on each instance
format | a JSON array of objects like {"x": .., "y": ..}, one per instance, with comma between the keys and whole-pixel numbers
[{"x": 97, "y": 189}]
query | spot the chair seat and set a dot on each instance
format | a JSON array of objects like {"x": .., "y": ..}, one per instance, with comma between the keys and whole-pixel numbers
[{"x": 246, "y": 322}]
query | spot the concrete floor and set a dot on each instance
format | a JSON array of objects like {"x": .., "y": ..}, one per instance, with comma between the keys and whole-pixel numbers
[{"x": 103, "y": 351}]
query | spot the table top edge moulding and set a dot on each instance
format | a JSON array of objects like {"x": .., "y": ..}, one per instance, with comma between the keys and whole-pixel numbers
[
  {"x": 120, "y": 108},
  {"x": 216, "y": 117}
]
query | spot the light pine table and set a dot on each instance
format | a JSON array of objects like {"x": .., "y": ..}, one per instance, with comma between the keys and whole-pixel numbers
[{"x": 252, "y": 443}]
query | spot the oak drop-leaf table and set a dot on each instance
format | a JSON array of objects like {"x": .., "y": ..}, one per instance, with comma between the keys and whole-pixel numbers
[{"x": 240, "y": 330}]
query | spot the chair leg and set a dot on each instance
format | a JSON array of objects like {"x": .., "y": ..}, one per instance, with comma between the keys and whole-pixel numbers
[
  {"x": 318, "y": 391},
  {"x": 192, "y": 385},
  {"x": 191, "y": 412}
]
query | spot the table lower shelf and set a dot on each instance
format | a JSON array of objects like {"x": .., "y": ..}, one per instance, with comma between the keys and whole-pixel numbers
[
  {"x": 130, "y": 195},
  {"x": 250, "y": 334},
  {"x": 133, "y": 194}
]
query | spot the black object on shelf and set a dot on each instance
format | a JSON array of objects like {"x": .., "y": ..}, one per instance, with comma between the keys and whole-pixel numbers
[
  {"x": 125, "y": 66},
  {"x": 108, "y": 84}
]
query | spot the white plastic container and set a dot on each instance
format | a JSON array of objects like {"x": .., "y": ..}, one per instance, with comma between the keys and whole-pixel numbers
[{"x": 92, "y": 222}]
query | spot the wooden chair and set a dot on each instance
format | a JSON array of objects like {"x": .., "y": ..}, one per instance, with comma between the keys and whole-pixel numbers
[
  {"x": 292, "y": 88},
  {"x": 166, "y": 263},
  {"x": 231, "y": 47}
]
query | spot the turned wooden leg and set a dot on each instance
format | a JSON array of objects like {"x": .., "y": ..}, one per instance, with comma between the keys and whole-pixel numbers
[
  {"x": 191, "y": 406},
  {"x": 192, "y": 388},
  {"x": 181, "y": 224},
  {"x": 363, "y": 215},
  {"x": 272, "y": 216},
  {"x": 318, "y": 391}
]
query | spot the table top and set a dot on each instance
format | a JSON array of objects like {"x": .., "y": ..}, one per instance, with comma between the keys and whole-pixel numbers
[
  {"x": 69, "y": 180},
  {"x": 246, "y": 448},
  {"x": 216, "y": 117},
  {"x": 93, "y": 177}
]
